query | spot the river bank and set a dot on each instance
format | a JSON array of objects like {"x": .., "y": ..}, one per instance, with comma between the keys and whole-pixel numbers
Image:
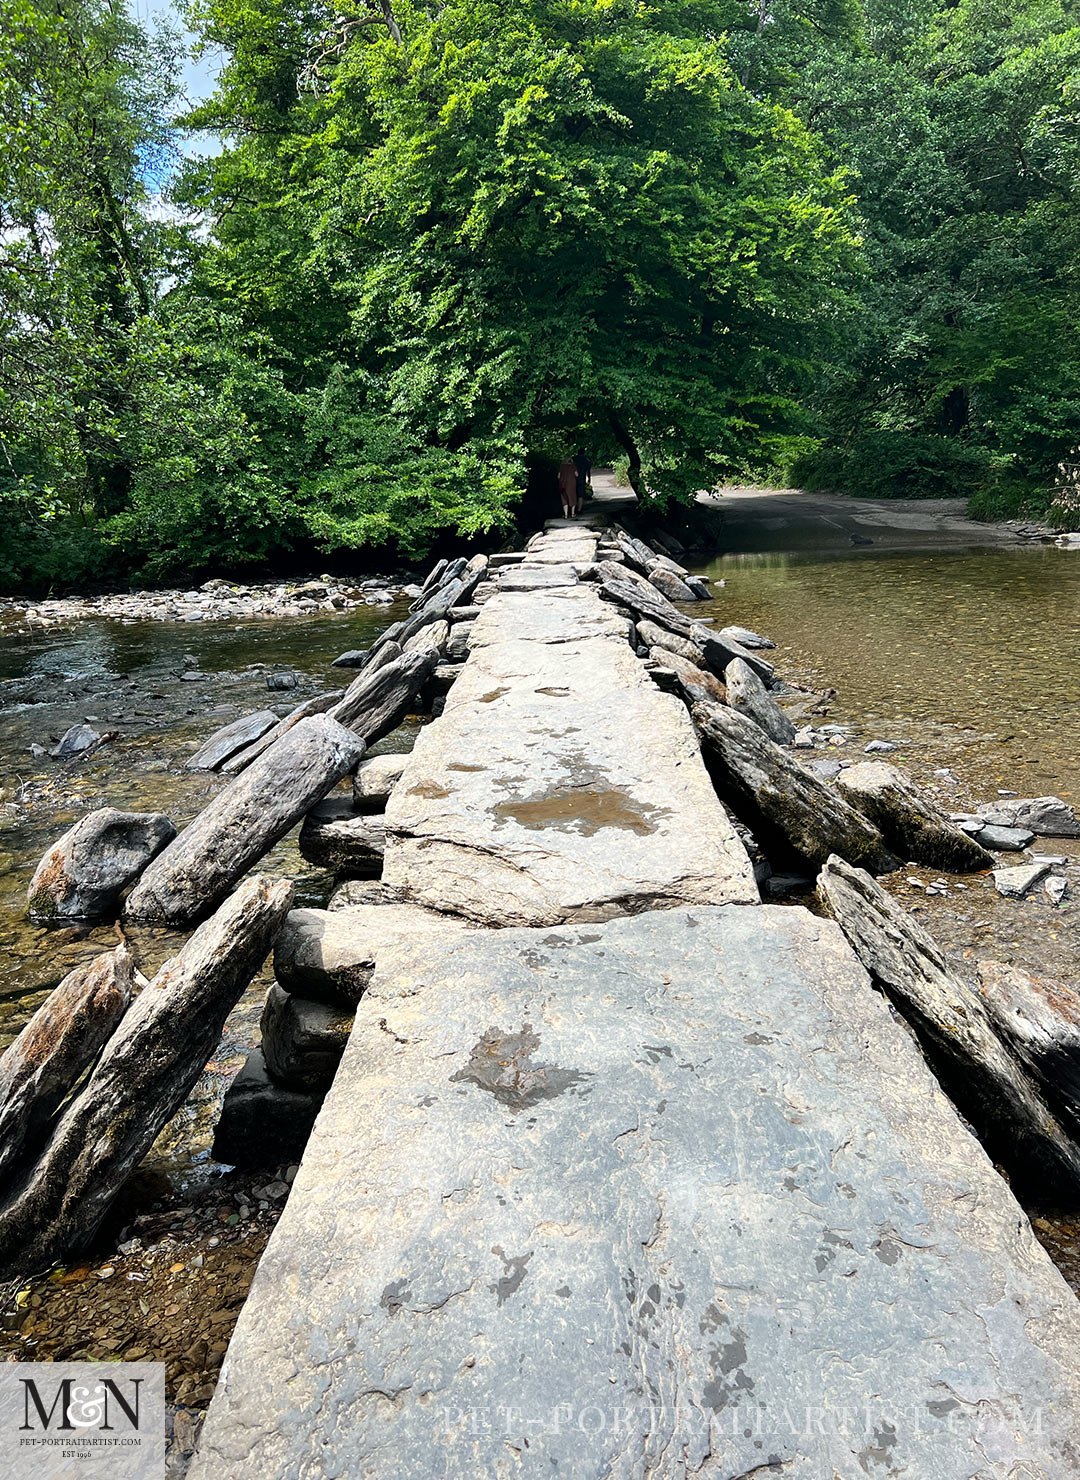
[{"x": 755, "y": 519}]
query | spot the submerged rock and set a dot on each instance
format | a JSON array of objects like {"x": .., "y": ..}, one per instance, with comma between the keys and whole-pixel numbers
[
  {"x": 85, "y": 872},
  {"x": 1048, "y": 816},
  {"x": 745, "y": 638},
  {"x": 76, "y": 741}
]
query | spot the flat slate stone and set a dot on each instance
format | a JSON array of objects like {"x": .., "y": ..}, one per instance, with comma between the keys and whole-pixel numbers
[
  {"x": 559, "y": 784},
  {"x": 537, "y": 577},
  {"x": 672, "y": 1196},
  {"x": 563, "y": 615},
  {"x": 575, "y": 552}
]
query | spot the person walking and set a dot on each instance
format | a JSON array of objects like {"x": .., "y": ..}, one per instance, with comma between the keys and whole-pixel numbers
[
  {"x": 568, "y": 482},
  {"x": 583, "y": 469}
]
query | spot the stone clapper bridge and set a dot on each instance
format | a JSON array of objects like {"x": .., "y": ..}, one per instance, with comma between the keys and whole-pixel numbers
[{"x": 646, "y": 1180}]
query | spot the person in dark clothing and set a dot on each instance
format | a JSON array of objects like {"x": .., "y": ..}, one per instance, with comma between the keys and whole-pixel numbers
[{"x": 583, "y": 468}]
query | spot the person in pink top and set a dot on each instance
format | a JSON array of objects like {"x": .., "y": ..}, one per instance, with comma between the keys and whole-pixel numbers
[{"x": 568, "y": 481}]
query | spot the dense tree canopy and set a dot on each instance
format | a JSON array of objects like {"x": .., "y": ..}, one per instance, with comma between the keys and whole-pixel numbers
[{"x": 442, "y": 244}]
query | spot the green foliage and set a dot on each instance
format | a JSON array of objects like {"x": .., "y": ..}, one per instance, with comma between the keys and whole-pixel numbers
[
  {"x": 442, "y": 245},
  {"x": 959, "y": 125}
]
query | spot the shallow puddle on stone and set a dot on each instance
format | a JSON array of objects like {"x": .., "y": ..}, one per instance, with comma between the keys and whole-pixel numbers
[
  {"x": 429, "y": 789},
  {"x": 583, "y": 812}
]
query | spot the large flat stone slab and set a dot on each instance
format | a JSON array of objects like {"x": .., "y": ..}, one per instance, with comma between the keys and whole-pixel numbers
[
  {"x": 565, "y": 614},
  {"x": 576, "y": 552},
  {"x": 559, "y": 783},
  {"x": 670, "y": 1197},
  {"x": 537, "y": 577}
]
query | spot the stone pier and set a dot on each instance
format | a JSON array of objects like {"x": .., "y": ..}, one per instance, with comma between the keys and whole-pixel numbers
[{"x": 650, "y": 1183}]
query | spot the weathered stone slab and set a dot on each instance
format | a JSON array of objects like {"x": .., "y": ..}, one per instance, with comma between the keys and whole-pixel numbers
[
  {"x": 1040, "y": 1021},
  {"x": 225, "y": 742},
  {"x": 329, "y": 955},
  {"x": 243, "y": 822},
  {"x": 989, "y": 1084},
  {"x": 142, "y": 1078},
  {"x": 61, "y": 1040},
  {"x": 317, "y": 704},
  {"x": 573, "y": 552},
  {"x": 634, "y": 1200},
  {"x": 559, "y": 784},
  {"x": 787, "y": 809},
  {"x": 693, "y": 684},
  {"x": 537, "y": 577},
  {"x": 911, "y": 822},
  {"x": 1048, "y": 816},
  {"x": 747, "y": 694},
  {"x": 565, "y": 615}
]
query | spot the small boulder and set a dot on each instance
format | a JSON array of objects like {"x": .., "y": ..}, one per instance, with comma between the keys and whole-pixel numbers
[
  {"x": 671, "y": 585},
  {"x": 375, "y": 779},
  {"x": 1003, "y": 839},
  {"x": 880, "y": 747},
  {"x": 334, "y": 836},
  {"x": 282, "y": 679},
  {"x": 1050, "y": 817},
  {"x": 910, "y": 821},
  {"x": 85, "y": 872},
  {"x": 747, "y": 694},
  {"x": 302, "y": 1040},
  {"x": 354, "y": 658},
  {"x": 263, "y": 1124}
]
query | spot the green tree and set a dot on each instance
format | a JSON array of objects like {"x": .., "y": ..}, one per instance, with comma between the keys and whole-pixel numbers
[
  {"x": 961, "y": 373},
  {"x": 477, "y": 233},
  {"x": 82, "y": 99}
]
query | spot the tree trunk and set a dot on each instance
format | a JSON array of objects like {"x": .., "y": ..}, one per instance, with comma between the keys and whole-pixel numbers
[
  {"x": 243, "y": 822},
  {"x": 144, "y": 1074},
  {"x": 629, "y": 446}
]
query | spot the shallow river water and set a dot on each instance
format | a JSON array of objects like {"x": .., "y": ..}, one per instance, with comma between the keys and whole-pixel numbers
[{"x": 975, "y": 653}]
